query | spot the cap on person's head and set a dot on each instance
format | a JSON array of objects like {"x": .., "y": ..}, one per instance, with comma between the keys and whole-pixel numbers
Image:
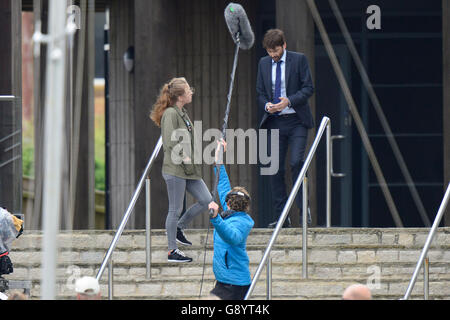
[{"x": 87, "y": 285}]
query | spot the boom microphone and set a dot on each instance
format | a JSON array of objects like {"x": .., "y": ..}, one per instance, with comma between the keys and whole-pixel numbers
[
  {"x": 239, "y": 26},
  {"x": 243, "y": 37}
]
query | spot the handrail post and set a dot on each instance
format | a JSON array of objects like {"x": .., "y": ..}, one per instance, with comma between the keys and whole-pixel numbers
[
  {"x": 288, "y": 204},
  {"x": 110, "y": 280},
  {"x": 305, "y": 230},
  {"x": 328, "y": 175},
  {"x": 269, "y": 279},
  {"x": 430, "y": 237},
  {"x": 426, "y": 278},
  {"x": 129, "y": 209},
  {"x": 148, "y": 239}
]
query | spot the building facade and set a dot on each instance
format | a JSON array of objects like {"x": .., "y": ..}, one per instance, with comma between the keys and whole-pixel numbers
[{"x": 406, "y": 59}]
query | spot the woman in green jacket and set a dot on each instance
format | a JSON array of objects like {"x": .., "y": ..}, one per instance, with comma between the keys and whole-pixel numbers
[{"x": 179, "y": 170}]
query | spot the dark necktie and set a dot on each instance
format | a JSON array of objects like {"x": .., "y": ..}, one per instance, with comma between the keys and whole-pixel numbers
[{"x": 277, "y": 93}]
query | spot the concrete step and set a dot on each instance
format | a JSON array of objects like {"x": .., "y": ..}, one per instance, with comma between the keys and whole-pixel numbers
[
  {"x": 357, "y": 237},
  {"x": 280, "y": 271},
  {"x": 297, "y": 289},
  {"x": 337, "y": 257}
]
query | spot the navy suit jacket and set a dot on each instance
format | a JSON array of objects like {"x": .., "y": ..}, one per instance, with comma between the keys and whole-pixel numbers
[{"x": 299, "y": 86}]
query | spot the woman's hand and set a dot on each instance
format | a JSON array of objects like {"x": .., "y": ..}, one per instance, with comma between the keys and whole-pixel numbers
[{"x": 220, "y": 143}]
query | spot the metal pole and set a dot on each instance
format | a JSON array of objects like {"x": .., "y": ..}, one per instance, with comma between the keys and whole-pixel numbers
[
  {"x": 305, "y": 230},
  {"x": 227, "y": 113},
  {"x": 110, "y": 280},
  {"x": 426, "y": 277},
  {"x": 129, "y": 209},
  {"x": 7, "y": 98},
  {"x": 379, "y": 110},
  {"x": 288, "y": 204},
  {"x": 148, "y": 238},
  {"x": 328, "y": 175},
  {"x": 436, "y": 222},
  {"x": 269, "y": 279},
  {"x": 53, "y": 147},
  {"x": 108, "y": 217},
  {"x": 354, "y": 111},
  {"x": 224, "y": 130},
  {"x": 69, "y": 214}
]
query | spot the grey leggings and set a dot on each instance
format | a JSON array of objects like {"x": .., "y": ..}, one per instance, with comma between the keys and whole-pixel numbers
[{"x": 176, "y": 188}]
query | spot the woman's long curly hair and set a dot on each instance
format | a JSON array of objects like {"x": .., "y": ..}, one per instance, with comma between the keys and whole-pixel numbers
[{"x": 167, "y": 97}]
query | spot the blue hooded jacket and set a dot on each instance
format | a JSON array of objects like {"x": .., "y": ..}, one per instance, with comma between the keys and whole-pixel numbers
[{"x": 230, "y": 262}]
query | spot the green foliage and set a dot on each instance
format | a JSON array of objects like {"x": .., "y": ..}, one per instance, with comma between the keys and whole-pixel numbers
[
  {"x": 28, "y": 160},
  {"x": 100, "y": 169},
  {"x": 100, "y": 175},
  {"x": 27, "y": 148}
]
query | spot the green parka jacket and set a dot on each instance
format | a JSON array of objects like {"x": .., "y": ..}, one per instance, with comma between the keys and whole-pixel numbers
[{"x": 177, "y": 133}]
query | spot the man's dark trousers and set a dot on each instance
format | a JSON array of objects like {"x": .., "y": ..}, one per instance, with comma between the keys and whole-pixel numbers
[
  {"x": 293, "y": 129},
  {"x": 292, "y": 135}
]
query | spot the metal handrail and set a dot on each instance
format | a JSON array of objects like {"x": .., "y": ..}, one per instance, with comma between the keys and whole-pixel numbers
[
  {"x": 325, "y": 124},
  {"x": 7, "y": 98},
  {"x": 129, "y": 209},
  {"x": 148, "y": 238},
  {"x": 10, "y": 98},
  {"x": 305, "y": 229},
  {"x": 426, "y": 247}
]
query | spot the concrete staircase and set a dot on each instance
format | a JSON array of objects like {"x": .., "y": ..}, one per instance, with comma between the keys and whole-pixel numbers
[{"x": 337, "y": 257}]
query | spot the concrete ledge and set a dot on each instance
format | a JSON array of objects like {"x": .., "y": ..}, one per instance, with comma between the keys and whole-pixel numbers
[{"x": 337, "y": 257}]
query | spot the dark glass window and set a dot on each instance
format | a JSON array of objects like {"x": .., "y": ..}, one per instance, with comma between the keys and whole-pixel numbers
[
  {"x": 405, "y": 61},
  {"x": 412, "y": 109}
]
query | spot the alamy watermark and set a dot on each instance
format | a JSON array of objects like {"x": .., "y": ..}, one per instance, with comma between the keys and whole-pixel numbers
[
  {"x": 74, "y": 273},
  {"x": 74, "y": 16},
  {"x": 374, "y": 280},
  {"x": 251, "y": 145},
  {"x": 374, "y": 20}
]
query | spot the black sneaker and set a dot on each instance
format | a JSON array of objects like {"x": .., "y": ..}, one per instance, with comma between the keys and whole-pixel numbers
[
  {"x": 178, "y": 256},
  {"x": 182, "y": 239}
]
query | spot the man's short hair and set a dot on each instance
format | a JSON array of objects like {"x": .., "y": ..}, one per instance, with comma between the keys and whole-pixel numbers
[{"x": 273, "y": 38}]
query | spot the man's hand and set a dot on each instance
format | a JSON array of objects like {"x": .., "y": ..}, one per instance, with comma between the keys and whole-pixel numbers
[
  {"x": 215, "y": 207},
  {"x": 284, "y": 102},
  {"x": 272, "y": 108}
]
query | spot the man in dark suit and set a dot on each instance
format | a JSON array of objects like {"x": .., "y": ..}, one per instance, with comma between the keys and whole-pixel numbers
[{"x": 283, "y": 86}]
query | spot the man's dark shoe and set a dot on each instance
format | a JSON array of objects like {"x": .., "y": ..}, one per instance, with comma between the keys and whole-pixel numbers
[
  {"x": 286, "y": 224},
  {"x": 182, "y": 239},
  {"x": 178, "y": 256}
]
